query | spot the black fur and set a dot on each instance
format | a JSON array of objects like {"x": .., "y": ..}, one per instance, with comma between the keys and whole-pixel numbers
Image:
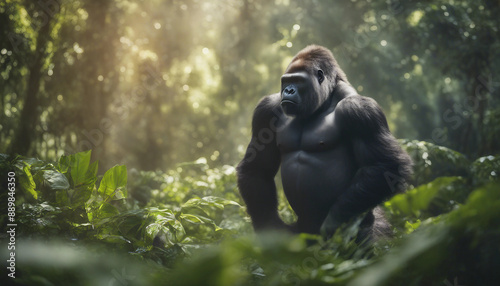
[{"x": 338, "y": 158}]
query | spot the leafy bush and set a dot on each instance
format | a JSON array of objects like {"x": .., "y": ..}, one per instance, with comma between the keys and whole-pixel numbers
[
  {"x": 485, "y": 170},
  {"x": 433, "y": 161},
  {"x": 188, "y": 227}
]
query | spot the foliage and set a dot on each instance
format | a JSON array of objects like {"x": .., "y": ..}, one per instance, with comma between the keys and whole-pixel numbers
[
  {"x": 432, "y": 161},
  {"x": 68, "y": 200},
  {"x": 485, "y": 169},
  {"x": 457, "y": 247},
  {"x": 189, "y": 228},
  {"x": 154, "y": 83},
  {"x": 429, "y": 200}
]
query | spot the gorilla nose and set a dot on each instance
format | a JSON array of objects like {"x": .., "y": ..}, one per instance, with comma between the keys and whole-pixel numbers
[
  {"x": 290, "y": 95},
  {"x": 289, "y": 90}
]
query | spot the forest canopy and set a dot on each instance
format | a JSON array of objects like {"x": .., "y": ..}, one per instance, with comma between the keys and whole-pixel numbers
[{"x": 154, "y": 83}]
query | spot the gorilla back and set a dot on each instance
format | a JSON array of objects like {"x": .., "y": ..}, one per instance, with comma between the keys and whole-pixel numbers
[{"x": 338, "y": 158}]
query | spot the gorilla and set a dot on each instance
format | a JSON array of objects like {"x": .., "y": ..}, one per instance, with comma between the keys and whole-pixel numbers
[{"x": 337, "y": 156}]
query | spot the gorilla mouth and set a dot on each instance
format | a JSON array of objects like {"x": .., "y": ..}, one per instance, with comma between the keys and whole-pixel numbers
[
  {"x": 287, "y": 101},
  {"x": 289, "y": 107}
]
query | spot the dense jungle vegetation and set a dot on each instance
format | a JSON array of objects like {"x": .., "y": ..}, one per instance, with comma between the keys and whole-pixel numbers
[{"x": 122, "y": 121}]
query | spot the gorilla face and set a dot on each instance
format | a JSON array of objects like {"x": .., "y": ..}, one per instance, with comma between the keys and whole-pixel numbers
[
  {"x": 301, "y": 92},
  {"x": 309, "y": 81}
]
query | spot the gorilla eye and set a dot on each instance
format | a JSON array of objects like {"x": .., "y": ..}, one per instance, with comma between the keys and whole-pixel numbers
[{"x": 321, "y": 76}]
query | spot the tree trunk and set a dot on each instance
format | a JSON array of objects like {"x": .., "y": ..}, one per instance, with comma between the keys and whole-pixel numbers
[{"x": 30, "y": 114}]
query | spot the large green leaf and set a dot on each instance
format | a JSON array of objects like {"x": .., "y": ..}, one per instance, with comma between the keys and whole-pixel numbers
[
  {"x": 79, "y": 166},
  {"x": 55, "y": 180},
  {"x": 114, "y": 183},
  {"x": 419, "y": 199}
]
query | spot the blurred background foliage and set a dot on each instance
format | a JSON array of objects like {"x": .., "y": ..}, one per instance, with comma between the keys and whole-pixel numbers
[{"x": 153, "y": 83}]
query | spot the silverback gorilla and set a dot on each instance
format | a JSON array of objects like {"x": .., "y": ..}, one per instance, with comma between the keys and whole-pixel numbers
[{"x": 338, "y": 158}]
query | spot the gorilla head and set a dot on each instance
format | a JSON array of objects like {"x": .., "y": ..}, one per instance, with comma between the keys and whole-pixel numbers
[{"x": 309, "y": 80}]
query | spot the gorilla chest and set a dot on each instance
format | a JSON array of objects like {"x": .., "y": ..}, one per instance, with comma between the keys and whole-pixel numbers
[
  {"x": 316, "y": 164},
  {"x": 321, "y": 134}
]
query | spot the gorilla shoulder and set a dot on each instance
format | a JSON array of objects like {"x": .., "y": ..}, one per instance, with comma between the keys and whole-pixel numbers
[
  {"x": 360, "y": 113},
  {"x": 267, "y": 108}
]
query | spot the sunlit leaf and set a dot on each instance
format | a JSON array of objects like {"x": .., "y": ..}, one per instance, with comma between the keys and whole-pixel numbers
[
  {"x": 113, "y": 184},
  {"x": 26, "y": 181},
  {"x": 55, "y": 180},
  {"x": 79, "y": 166}
]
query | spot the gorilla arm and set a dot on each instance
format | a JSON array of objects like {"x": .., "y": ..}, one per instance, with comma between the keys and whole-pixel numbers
[
  {"x": 258, "y": 168},
  {"x": 383, "y": 167}
]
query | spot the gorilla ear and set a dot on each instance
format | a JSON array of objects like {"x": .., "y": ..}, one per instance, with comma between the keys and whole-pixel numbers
[{"x": 321, "y": 76}]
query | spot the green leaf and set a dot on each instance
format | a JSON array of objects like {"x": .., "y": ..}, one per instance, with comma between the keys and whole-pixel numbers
[
  {"x": 64, "y": 164},
  {"x": 195, "y": 218},
  {"x": 79, "y": 166},
  {"x": 107, "y": 210},
  {"x": 112, "y": 187},
  {"x": 27, "y": 183},
  {"x": 114, "y": 183},
  {"x": 410, "y": 227},
  {"x": 209, "y": 206},
  {"x": 55, "y": 180},
  {"x": 220, "y": 201},
  {"x": 165, "y": 223},
  {"x": 419, "y": 199},
  {"x": 92, "y": 170}
]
